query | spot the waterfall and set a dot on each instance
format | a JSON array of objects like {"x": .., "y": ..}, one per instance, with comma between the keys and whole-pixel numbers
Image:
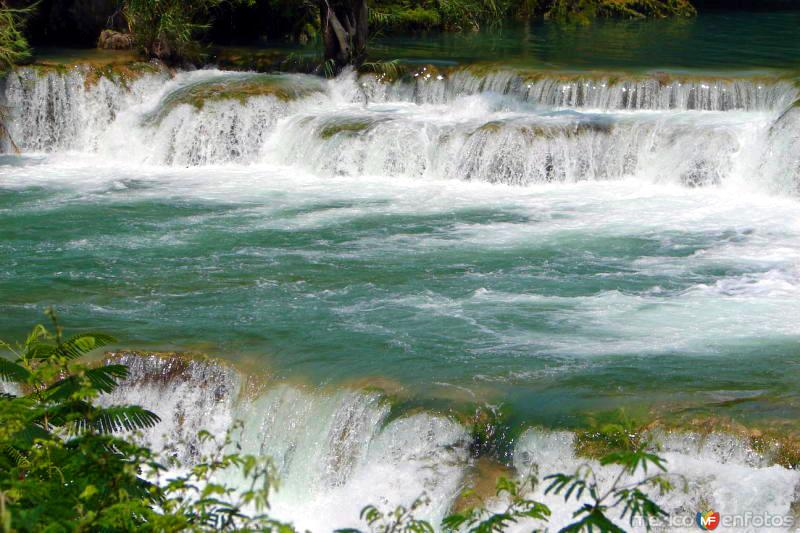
[
  {"x": 635, "y": 93},
  {"x": 714, "y": 471},
  {"x": 498, "y": 127},
  {"x": 782, "y": 158},
  {"x": 334, "y": 451},
  {"x": 188, "y": 394},
  {"x": 337, "y": 450},
  {"x": 69, "y": 109},
  {"x": 335, "y": 208}
]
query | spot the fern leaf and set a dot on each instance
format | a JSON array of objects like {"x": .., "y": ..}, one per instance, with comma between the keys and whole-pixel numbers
[
  {"x": 10, "y": 371},
  {"x": 118, "y": 418},
  {"x": 79, "y": 345},
  {"x": 102, "y": 379}
]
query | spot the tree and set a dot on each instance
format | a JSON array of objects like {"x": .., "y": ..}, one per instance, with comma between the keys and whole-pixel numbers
[
  {"x": 344, "y": 28},
  {"x": 14, "y": 48}
]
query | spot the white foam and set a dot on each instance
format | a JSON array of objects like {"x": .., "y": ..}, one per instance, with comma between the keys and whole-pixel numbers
[
  {"x": 716, "y": 472},
  {"x": 472, "y": 134}
]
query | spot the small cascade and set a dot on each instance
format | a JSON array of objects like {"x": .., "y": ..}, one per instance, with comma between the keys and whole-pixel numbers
[
  {"x": 218, "y": 133},
  {"x": 55, "y": 110},
  {"x": 715, "y": 471},
  {"x": 334, "y": 451},
  {"x": 782, "y": 157},
  {"x": 337, "y": 450},
  {"x": 221, "y": 117},
  {"x": 188, "y": 394},
  {"x": 657, "y": 92},
  {"x": 516, "y": 150},
  {"x": 500, "y": 127},
  {"x": 315, "y": 442}
]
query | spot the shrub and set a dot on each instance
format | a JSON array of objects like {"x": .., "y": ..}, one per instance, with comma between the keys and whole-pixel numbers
[{"x": 168, "y": 29}]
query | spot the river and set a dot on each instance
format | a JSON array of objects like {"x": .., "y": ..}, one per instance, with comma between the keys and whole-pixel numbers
[{"x": 553, "y": 233}]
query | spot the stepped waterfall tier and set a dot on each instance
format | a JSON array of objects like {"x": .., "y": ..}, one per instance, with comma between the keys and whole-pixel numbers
[
  {"x": 500, "y": 127},
  {"x": 373, "y": 262}
]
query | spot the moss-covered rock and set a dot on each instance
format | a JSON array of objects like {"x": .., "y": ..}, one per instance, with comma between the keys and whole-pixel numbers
[
  {"x": 115, "y": 40},
  {"x": 245, "y": 87},
  {"x": 122, "y": 73},
  {"x": 346, "y": 127},
  {"x": 264, "y": 60},
  {"x": 239, "y": 88}
]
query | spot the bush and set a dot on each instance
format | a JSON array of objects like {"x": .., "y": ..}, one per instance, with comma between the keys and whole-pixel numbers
[
  {"x": 68, "y": 464},
  {"x": 168, "y": 29}
]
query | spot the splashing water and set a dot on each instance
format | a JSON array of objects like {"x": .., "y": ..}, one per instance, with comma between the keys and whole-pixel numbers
[{"x": 497, "y": 128}]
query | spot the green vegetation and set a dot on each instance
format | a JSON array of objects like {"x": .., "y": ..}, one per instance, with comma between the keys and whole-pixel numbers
[
  {"x": 69, "y": 463},
  {"x": 585, "y": 10},
  {"x": 61, "y": 463},
  {"x": 168, "y": 29},
  {"x": 472, "y": 15},
  {"x": 173, "y": 30},
  {"x": 14, "y": 47}
]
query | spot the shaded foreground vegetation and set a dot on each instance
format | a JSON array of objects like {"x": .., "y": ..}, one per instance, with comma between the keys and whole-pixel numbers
[{"x": 68, "y": 463}]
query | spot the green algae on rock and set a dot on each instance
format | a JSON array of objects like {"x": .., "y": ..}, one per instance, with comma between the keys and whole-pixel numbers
[
  {"x": 346, "y": 127},
  {"x": 121, "y": 69},
  {"x": 240, "y": 88}
]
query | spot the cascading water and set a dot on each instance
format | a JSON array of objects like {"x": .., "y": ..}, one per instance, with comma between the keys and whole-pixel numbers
[
  {"x": 334, "y": 450},
  {"x": 497, "y": 128},
  {"x": 303, "y": 196}
]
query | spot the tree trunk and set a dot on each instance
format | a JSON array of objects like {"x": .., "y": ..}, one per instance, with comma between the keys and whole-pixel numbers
[{"x": 344, "y": 31}]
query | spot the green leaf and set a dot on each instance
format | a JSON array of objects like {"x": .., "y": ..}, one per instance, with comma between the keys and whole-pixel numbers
[
  {"x": 102, "y": 379},
  {"x": 123, "y": 418},
  {"x": 25, "y": 438},
  {"x": 88, "y": 492},
  {"x": 79, "y": 345},
  {"x": 595, "y": 520},
  {"x": 10, "y": 371},
  {"x": 631, "y": 461}
]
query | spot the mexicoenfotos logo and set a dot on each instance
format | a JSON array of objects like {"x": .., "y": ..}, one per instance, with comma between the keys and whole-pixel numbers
[{"x": 708, "y": 521}]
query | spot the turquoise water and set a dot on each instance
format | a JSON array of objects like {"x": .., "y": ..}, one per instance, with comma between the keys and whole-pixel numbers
[
  {"x": 480, "y": 244},
  {"x": 721, "y": 41},
  {"x": 552, "y": 301}
]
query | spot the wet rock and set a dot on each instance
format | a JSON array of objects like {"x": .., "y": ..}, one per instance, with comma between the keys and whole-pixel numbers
[{"x": 114, "y": 40}]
